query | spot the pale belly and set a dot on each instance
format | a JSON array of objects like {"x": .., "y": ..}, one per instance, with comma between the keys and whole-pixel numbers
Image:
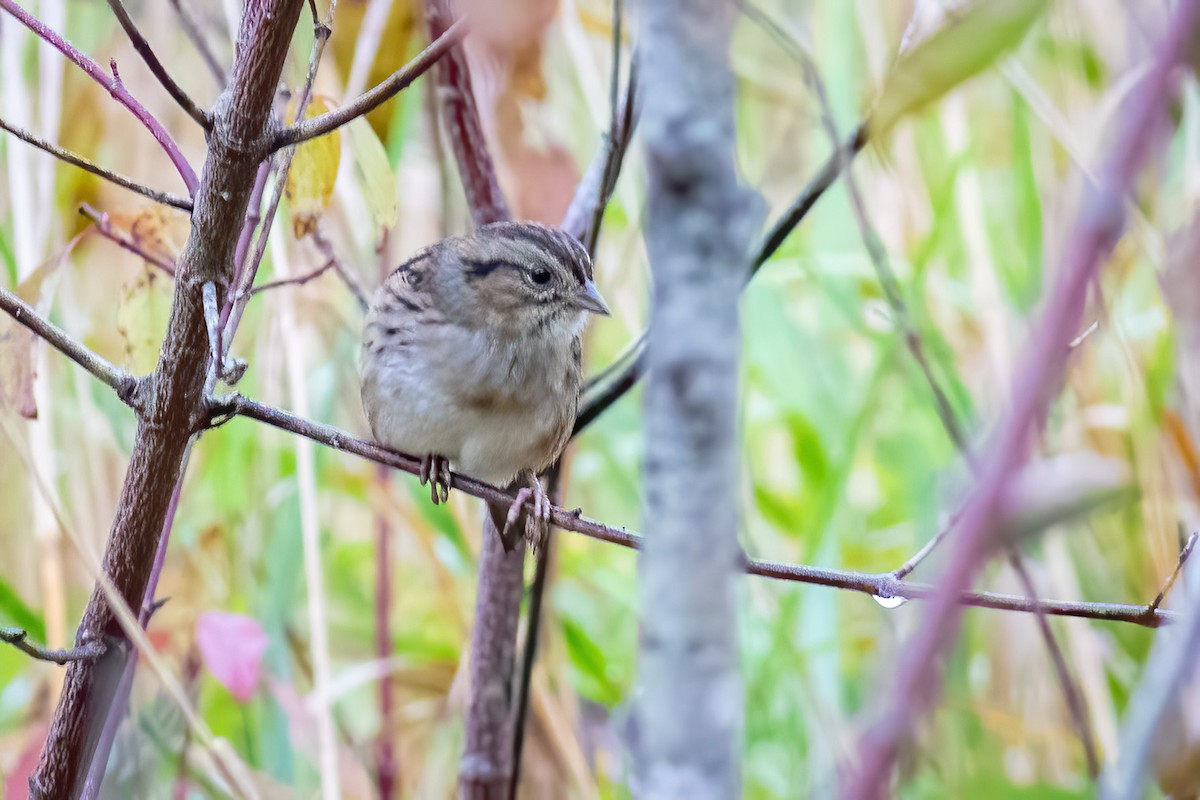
[{"x": 492, "y": 414}]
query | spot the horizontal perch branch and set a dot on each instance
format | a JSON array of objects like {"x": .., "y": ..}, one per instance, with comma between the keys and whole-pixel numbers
[{"x": 884, "y": 585}]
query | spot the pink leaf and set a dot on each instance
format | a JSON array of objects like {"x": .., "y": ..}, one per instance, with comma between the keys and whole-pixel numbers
[{"x": 232, "y": 647}]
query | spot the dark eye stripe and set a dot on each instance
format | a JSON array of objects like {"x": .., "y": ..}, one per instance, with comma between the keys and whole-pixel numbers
[{"x": 477, "y": 268}]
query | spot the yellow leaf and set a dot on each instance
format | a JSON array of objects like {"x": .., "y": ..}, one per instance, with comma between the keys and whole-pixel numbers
[
  {"x": 314, "y": 171},
  {"x": 142, "y": 320},
  {"x": 374, "y": 173},
  {"x": 971, "y": 42}
]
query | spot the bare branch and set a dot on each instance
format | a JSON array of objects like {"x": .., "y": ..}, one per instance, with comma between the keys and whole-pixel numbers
[
  {"x": 156, "y": 67},
  {"x": 192, "y": 30},
  {"x": 1183, "y": 557},
  {"x": 115, "y": 377},
  {"x": 345, "y": 273},
  {"x": 299, "y": 280},
  {"x": 75, "y": 160},
  {"x": 876, "y": 584},
  {"x": 104, "y": 228},
  {"x": 114, "y": 87},
  {"x": 85, "y": 652},
  {"x": 371, "y": 99}
]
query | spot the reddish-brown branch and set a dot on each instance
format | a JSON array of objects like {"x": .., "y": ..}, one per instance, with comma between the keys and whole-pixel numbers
[{"x": 463, "y": 127}]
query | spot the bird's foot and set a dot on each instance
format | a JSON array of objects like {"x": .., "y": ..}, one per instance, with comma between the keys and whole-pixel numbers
[
  {"x": 435, "y": 470},
  {"x": 537, "y": 519}
]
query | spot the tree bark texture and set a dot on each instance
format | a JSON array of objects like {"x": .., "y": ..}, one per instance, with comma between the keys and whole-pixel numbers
[
  {"x": 171, "y": 405},
  {"x": 699, "y": 223},
  {"x": 486, "y": 768}
]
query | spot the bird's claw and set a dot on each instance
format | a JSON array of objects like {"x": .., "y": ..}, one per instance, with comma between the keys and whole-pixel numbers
[
  {"x": 537, "y": 520},
  {"x": 435, "y": 470}
]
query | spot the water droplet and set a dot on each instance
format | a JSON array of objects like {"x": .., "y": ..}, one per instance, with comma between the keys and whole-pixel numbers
[{"x": 890, "y": 602}]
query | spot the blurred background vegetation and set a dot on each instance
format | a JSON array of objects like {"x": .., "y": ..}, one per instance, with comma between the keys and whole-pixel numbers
[{"x": 845, "y": 460}]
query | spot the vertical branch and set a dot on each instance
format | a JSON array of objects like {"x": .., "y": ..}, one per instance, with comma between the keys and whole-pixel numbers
[
  {"x": 463, "y": 127},
  {"x": 1096, "y": 231},
  {"x": 486, "y": 767},
  {"x": 698, "y": 232},
  {"x": 172, "y": 405},
  {"x": 486, "y": 764}
]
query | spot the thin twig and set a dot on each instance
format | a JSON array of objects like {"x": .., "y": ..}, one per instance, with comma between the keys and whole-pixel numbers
[
  {"x": 299, "y": 280},
  {"x": 192, "y": 30},
  {"x": 115, "y": 377},
  {"x": 114, "y": 86},
  {"x": 1076, "y": 706},
  {"x": 916, "y": 558},
  {"x": 85, "y": 652},
  {"x": 307, "y": 129},
  {"x": 76, "y": 160},
  {"x": 771, "y": 241},
  {"x": 105, "y": 228},
  {"x": 1183, "y": 557},
  {"x": 156, "y": 67},
  {"x": 347, "y": 275},
  {"x": 881, "y": 584}
]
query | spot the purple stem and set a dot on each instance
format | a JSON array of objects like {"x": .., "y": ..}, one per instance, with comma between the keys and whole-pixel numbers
[
  {"x": 1096, "y": 232},
  {"x": 114, "y": 86},
  {"x": 116, "y": 711}
]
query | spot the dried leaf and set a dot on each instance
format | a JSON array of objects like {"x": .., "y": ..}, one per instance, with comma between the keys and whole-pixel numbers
[
  {"x": 971, "y": 42},
  {"x": 18, "y": 363},
  {"x": 314, "y": 171},
  {"x": 374, "y": 173},
  {"x": 232, "y": 647},
  {"x": 158, "y": 230}
]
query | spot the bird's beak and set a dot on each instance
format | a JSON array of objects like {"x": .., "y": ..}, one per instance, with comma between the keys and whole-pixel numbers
[{"x": 588, "y": 298}]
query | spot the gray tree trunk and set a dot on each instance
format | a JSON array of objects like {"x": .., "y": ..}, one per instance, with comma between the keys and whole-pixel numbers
[{"x": 689, "y": 713}]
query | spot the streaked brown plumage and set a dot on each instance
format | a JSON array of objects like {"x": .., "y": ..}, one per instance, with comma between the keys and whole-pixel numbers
[{"x": 471, "y": 353}]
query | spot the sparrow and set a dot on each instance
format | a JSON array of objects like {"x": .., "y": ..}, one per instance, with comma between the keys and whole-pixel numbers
[{"x": 471, "y": 357}]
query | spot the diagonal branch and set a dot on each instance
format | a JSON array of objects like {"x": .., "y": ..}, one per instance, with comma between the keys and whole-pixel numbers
[
  {"x": 366, "y": 103},
  {"x": 1097, "y": 229},
  {"x": 192, "y": 30},
  {"x": 156, "y": 67},
  {"x": 113, "y": 85},
  {"x": 116, "y": 378},
  {"x": 75, "y": 160}
]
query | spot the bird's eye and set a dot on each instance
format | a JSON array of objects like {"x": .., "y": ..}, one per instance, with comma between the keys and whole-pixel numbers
[{"x": 541, "y": 276}]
